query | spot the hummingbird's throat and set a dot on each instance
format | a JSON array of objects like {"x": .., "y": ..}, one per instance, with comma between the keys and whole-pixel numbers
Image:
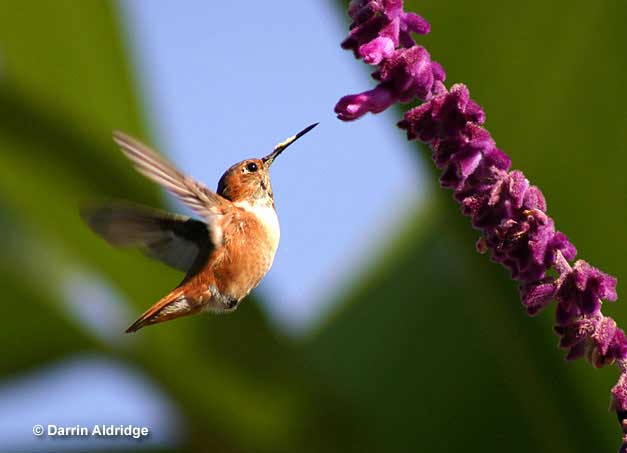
[
  {"x": 263, "y": 193},
  {"x": 267, "y": 190}
]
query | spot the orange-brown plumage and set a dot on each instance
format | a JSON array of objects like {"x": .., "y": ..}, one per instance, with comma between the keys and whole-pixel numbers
[{"x": 224, "y": 256}]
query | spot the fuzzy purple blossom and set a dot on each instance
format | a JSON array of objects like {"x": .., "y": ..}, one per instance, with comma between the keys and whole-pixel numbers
[
  {"x": 377, "y": 24},
  {"x": 379, "y": 27},
  {"x": 503, "y": 205}
]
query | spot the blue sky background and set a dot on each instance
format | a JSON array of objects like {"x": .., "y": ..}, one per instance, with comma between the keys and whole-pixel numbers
[{"x": 221, "y": 83}]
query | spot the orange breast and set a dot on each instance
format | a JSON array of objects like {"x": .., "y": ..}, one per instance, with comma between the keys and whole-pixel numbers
[{"x": 246, "y": 256}]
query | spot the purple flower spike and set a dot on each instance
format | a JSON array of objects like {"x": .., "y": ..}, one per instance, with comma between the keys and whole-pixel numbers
[{"x": 510, "y": 213}]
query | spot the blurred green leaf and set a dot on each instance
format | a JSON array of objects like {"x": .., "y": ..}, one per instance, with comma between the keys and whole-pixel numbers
[
  {"x": 47, "y": 113},
  {"x": 35, "y": 331}
]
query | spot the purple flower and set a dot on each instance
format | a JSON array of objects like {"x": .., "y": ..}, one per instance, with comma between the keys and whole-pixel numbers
[
  {"x": 403, "y": 75},
  {"x": 619, "y": 394},
  {"x": 377, "y": 49},
  {"x": 610, "y": 343},
  {"x": 443, "y": 116},
  {"x": 597, "y": 337},
  {"x": 537, "y": 295},
  {"x": 379, "y": 27},
  {"x": 503, "y": 205},
  {"x": 581, "y": 292},
  {"x": 379, "y": 24},
  {"x": 356, "y": 105}
]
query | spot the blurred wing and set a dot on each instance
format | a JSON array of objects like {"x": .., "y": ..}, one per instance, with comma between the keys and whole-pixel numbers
[
  {"x": 194, "y": 194},
  {"x": 178, "y": 241}
]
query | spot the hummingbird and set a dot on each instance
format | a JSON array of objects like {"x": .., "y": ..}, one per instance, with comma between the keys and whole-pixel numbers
[{"x": 224, "y": 256}]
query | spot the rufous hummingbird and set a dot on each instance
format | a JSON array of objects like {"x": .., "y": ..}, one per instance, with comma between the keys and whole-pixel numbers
[{"x": 225, "y": 255}]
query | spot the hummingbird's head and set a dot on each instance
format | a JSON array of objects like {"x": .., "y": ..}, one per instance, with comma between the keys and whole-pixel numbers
[
  {"x": 246, "y": 180},
  {"x": 250, "y": 178}
]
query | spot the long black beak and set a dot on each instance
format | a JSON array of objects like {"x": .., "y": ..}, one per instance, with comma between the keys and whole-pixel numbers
[{"x": 278, "y": 149}]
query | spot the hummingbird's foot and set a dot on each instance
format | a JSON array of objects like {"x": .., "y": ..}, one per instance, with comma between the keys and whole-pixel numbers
[
  {"x": 230, "y": 302},
  {"x": 220, "y": 303}
]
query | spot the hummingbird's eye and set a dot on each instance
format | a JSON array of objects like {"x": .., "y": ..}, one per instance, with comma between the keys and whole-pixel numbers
[{"x": 252, "y": 167}]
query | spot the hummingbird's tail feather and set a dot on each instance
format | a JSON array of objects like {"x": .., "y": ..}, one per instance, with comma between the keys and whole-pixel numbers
[
  {"x": 173, "y": 239},
  {"x": 173, "y": 305}
]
